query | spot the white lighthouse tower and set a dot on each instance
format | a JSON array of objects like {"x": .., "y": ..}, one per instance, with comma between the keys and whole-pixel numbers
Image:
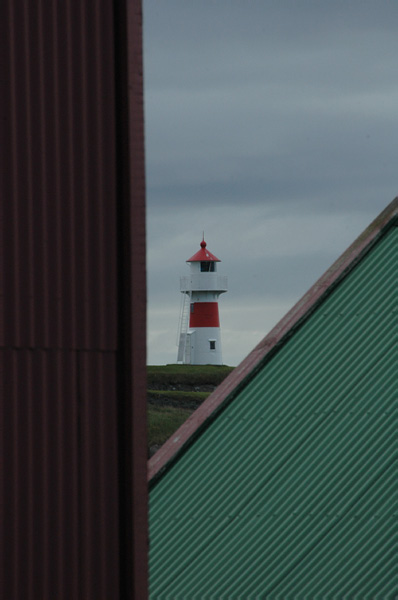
[{"x": 199, "y": 337}]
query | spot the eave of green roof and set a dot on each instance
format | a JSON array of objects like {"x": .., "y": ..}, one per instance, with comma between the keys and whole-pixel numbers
[{"x": 225, "y": 392}]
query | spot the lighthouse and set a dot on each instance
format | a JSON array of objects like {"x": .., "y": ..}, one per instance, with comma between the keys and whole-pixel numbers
[{"x": 199, "y": 336}]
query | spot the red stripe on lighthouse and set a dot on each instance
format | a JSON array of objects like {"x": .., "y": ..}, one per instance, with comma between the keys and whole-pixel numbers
[{"x": 204, "y": 314}]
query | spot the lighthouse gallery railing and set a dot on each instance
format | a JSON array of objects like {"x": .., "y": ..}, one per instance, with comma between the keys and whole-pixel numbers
[{"x": 204, "y": 281}]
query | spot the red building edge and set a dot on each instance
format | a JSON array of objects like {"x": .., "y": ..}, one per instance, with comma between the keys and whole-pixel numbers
[
  {"x": 133, "y": 517},
  {"x": 187, "y": 433}
]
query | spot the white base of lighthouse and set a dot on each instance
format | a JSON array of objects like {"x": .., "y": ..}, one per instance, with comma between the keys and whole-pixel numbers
[{"x": 203, "y": 346}]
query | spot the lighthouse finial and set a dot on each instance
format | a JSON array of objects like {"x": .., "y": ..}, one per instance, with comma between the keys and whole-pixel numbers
[{"x": 203, "y": 243}]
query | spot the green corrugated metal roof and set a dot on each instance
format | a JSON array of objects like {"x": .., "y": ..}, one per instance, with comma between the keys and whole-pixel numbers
[{"x": 290, "y": 491}]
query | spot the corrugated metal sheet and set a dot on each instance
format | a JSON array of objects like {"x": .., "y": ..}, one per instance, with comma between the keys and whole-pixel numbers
[
  {"x": 290, "y": 492},
  {"x": 60, "y": 448},
  {"x": 73, "y": 301}
]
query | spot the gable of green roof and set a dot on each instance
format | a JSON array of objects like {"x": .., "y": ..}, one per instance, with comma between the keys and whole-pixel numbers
[{"x": 290, "y": 491}]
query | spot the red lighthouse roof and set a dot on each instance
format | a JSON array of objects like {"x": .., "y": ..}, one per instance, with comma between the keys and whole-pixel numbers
[{"x": 203, "y": 255}]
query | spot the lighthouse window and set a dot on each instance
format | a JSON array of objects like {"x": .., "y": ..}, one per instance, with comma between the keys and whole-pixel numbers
[
  {"x": 212, "y": 344},
  {"x": 206, "y": 266}
]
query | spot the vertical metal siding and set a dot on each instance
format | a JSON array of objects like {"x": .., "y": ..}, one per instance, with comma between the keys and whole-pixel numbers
[
  {"x": 72, "y": 337},
  {"x": 132, "y": 297}
]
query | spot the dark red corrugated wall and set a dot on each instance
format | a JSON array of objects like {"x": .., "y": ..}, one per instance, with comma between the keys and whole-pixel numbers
[{"x": 72, "y": 334}]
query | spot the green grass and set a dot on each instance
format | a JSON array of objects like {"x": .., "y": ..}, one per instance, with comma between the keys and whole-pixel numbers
[
  {"x": 178, "y": 396},
  {"x": 163, "y": 421},
  {"x": 187, "y": 374}
]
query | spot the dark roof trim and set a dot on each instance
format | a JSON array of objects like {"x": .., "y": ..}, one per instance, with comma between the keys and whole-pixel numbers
[{"x": 204, "y": 414}]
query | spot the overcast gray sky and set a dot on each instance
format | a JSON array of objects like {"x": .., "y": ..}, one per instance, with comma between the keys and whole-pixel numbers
[{"x": 272, "y": 126}]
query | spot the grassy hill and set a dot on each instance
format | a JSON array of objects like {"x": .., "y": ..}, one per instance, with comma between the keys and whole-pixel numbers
[{"x": 174, "y": 392}]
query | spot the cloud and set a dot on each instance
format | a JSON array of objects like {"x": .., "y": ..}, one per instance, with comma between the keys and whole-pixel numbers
[{"x": 270, "y": 125}]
